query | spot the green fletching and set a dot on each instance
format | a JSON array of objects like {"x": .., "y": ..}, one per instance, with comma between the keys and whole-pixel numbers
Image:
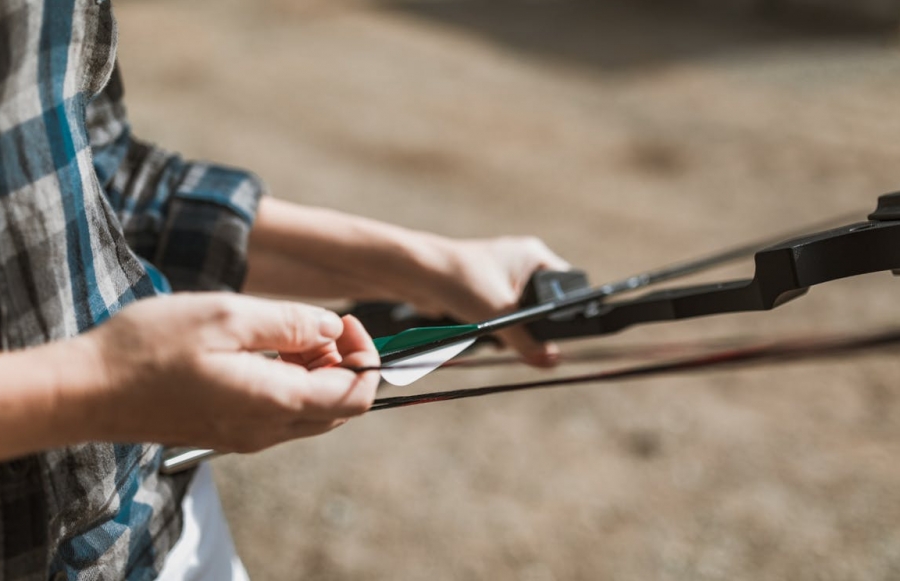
[
  {"x": 419, "y": 336},
  {"x": 380, "y": 342}
]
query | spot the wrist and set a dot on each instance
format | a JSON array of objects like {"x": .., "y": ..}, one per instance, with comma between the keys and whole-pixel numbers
[
  {"x": 424, "y": 266},
  {"x": 51, "y": 399},
  {"x": 81, "y": 390}
]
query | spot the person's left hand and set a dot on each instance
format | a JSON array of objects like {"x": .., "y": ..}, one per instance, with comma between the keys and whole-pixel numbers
[{"x": 485, "y": 278}]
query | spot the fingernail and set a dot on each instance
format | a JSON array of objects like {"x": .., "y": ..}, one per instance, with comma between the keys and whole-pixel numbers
[{"x": 330, "y": 325}]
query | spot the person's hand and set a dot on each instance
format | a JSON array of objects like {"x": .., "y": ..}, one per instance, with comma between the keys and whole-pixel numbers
[
  {"x": 486, "y": 278},
  {"x": 181, "y": 370}
]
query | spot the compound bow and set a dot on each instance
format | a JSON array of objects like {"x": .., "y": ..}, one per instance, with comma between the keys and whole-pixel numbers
[{"x": 562, "y": 305}]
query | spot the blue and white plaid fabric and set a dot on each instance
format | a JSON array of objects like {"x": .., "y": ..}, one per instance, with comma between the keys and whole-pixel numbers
[{"x": 92, "y": 219}]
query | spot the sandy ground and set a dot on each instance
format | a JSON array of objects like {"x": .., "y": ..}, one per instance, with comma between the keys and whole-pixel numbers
[{"x": 626, "y": 135}]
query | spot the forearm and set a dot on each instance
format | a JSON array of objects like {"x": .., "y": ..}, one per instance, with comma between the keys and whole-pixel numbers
[
  {"x": 46, "y": 396},
  {"x": 318, "y": 252},
  {"x": 301, "y": 251}
]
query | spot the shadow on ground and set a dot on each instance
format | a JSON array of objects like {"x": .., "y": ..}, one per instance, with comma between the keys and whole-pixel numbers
[{"x": 620, "y": 35}]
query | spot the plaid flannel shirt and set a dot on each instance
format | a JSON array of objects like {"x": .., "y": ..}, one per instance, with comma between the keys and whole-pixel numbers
[{"x": 89, "y": 218}]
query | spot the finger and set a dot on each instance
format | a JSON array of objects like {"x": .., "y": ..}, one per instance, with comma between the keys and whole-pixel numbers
[
  {"x": 324, "y": 394},
  {"x": 355, "y": 345},
  {"x": 533, "y": 352},
  {"x": 319, "y": 357},
  {"x": 278, "y": 393},
  {"x": 334, "y": 393},
  {"x": 258, "y": 324},
  {"x": 325, "y": 360},
  {"x": 357, "y": 350},
  {"x": 309, "y": 429}
]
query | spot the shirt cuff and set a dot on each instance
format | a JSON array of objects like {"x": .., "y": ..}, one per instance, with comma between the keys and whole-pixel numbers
[{"x": 204, "y": 240}]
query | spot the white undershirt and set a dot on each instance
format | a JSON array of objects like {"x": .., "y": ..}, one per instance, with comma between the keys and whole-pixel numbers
[{"x": 205, "y": 551}]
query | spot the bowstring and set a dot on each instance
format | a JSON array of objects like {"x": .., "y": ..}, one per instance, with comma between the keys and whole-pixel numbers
[{"x": 778, "y": 352}]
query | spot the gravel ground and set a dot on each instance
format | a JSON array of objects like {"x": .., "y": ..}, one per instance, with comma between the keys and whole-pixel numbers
[{"x": 627, "y": 135}]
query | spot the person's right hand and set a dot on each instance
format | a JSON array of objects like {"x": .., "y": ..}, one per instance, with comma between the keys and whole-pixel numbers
[{"x": 181, "y": 370}]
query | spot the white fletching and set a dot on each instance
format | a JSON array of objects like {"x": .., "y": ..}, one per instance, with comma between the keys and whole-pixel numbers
[{"x": 409, "y": 369}]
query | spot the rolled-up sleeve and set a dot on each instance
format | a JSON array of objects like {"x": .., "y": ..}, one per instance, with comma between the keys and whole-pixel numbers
[{"x": 190, "y": 220}]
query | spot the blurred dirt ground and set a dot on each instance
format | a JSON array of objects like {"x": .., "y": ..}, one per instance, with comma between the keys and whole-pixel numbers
[{"x": 627, "y": 135}]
